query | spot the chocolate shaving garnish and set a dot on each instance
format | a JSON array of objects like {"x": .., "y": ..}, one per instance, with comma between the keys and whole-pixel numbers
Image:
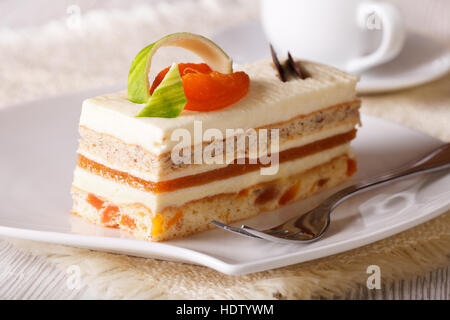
[
  {"x": 288, "y": 67},
  {"x": 294, "y": 67},
  {"x": 277, "y": 64}
]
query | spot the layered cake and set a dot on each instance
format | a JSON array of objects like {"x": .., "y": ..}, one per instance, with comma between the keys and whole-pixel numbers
[{"x": 134, "y": 171}]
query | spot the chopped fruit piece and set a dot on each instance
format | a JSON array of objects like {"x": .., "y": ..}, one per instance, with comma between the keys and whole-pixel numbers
[
  {"x": 213, "y": 91},
  {"x": 174, "y": 219},
  {"x": 267, "y": 194},
  {"x": 158, "y": 225},
  {"x": 94, "y": 201},
  {"x": 351, "y": 167},
  {"x": 289, "y": 194},
  {"x": 184, "y": 68},
  {"x": 243, "y": 192},
  {"x": 109, "y": 216},
  {"x": 128, "y": 222},
  {"x": 322, "y": 182}
]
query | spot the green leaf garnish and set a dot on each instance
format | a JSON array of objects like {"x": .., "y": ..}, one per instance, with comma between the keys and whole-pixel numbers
[
  {"x": 212, "y": 54},
  {"x": 168, "y": 99}
]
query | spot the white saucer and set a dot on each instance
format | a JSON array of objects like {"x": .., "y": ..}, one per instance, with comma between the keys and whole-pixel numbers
[
  {"x": 421, "y": 60},
  {"x": 39, "y": 141}
]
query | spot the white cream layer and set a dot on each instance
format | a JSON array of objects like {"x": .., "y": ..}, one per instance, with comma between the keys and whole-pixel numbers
[
  {"x": 163, "y": 175},
  {"x": 268, "y": 101},
  {"x": 121, "y": 193}
]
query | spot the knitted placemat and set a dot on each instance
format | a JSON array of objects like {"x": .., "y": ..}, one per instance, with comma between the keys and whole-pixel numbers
[
  {"x": 408, "y": 254},
  {"x": 30, "y": 73}
]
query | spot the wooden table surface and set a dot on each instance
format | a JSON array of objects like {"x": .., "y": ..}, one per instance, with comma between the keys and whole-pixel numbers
[{"x": 25, "y": 276}]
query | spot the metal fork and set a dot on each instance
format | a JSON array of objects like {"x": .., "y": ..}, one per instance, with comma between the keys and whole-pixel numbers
[{"x": 312, "y": 225}]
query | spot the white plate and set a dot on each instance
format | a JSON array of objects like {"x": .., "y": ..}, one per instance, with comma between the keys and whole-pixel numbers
[
  {"x": 38, "y": 142},
  {"x": 421, "y": 60}
]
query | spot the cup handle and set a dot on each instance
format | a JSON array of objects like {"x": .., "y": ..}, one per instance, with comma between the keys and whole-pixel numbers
[{"x": 393, "y": 36}]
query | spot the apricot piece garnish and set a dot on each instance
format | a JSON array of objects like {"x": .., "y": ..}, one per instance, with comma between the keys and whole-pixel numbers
[
  {"x": 208, "y": 90},
  {"x": 184, "y": 68},
  {"x": 215, "y": 90},
  {"x": 208, "y": 51}
]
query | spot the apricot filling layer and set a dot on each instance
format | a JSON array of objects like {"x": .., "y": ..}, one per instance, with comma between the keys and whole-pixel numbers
[{"x": 231, "y": 170}]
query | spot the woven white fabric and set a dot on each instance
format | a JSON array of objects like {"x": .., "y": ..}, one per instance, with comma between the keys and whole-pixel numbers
[{"x": 96, "y": 48}]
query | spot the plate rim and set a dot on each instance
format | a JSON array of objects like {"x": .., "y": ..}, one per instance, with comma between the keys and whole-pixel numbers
[
  {"x": 183, "y": 254},
  {"x": 82, "y": 241}
]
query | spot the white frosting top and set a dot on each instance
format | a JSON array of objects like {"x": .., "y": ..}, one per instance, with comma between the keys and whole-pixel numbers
[{"x": 268, "y": 101}]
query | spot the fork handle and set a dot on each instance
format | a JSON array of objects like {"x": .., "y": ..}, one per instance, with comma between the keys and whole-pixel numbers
[{"x": 437, "y": 160}]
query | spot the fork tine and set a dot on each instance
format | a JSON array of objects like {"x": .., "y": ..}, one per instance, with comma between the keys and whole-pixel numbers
[
  {"x": 300, "y": 236},
  {"x": 291, "y": 238},
  {"x": 266, "y": 236},
  {"x": 275, "y": 233},
  {"x": 233, "y": 229}
]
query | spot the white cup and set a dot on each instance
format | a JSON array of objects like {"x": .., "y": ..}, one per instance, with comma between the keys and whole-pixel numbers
[{"x": 342, "y": 33}]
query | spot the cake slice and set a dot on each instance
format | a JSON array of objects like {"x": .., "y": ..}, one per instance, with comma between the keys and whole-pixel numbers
[{"x": 126, "y": 176}]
